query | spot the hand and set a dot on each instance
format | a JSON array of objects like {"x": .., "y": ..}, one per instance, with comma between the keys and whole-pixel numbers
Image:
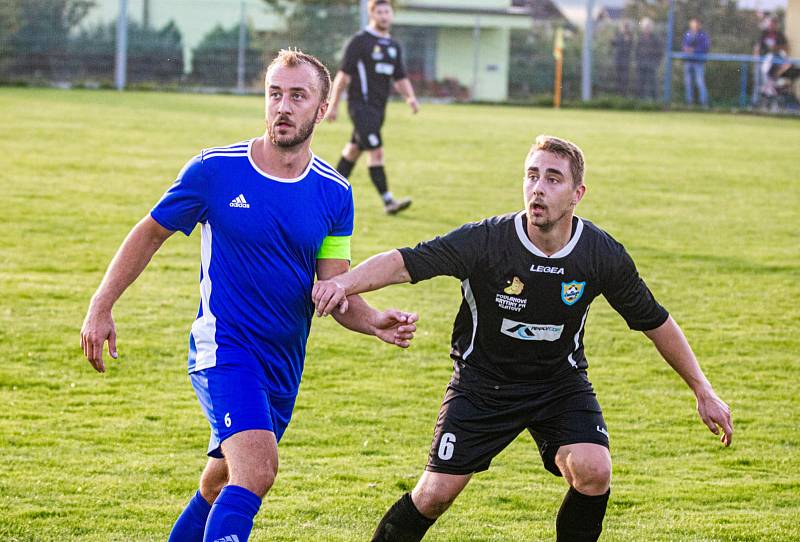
[
  {"x": 413, "y": 104},
  {"x": 327, "y": 295},
  {"x": 715, "y": 414},
  {"x": 396, "y": 327},
  {"x": 333, "y": 112},
  {"x": 98, "y": 326}
]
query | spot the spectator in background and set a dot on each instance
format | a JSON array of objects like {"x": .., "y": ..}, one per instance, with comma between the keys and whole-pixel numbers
[
  {"x": 774, "y": 47},
  {"x": 649, "y": 51},
  {"x": 772, "y": 40},
  {"x": 696, "y": 43},
  {"x": 622, "y": 45}
]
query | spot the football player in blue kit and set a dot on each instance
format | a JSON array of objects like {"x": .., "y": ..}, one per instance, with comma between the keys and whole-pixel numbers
[
  {"x": 272, "y": 215},
  {"x": 527, "y": 279}
]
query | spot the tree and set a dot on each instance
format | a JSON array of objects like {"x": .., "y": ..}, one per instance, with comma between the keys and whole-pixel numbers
[
  {"x": 317, "y": 27},
  {"x": 154, "y": 55},
  {"x": 215, "y": 59},
  {"x": 43, "y": 27}
]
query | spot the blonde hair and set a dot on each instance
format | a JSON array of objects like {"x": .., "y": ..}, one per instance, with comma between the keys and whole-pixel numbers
[
  {"x": 292, "y": 58},
  {"x": 564, "y": 149}
]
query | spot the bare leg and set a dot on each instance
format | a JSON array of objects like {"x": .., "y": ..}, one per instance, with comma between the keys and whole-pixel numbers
[
  {"x": 587, "y": 469},
  {"x": 410, "y": 517}
]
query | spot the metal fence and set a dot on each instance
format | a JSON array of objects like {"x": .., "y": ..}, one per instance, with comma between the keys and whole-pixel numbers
[{"x": 224, "y": 45}]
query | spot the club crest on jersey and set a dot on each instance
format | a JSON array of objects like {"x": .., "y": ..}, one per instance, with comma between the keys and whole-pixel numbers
[
  {"x": 571, "y": 292},
  {"x": 514, "y": 287},
  {"x": 392, "y": 51}
]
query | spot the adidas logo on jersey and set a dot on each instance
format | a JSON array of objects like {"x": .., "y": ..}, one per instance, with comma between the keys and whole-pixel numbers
[
  {"x": 239, "y": 201},
  {"x": 229, "y": 538}
]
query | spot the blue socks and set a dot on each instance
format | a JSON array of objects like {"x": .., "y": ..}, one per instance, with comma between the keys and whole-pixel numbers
[
  {"x": 191, "y": 524},
  {"x": 231, "y": 517}
]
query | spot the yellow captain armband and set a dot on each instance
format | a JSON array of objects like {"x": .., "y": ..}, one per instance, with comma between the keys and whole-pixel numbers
[{"x": 335, "y": 247}]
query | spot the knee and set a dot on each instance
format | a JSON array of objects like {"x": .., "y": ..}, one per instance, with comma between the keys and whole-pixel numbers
[
  {"x": 432, "y": 500},
  {"x": 376, "y": 157},
  {"x": 591, "y": 477},
  {"x": 351, "y": 152},
  {"x": 260, "y": 480},
  {"x": 211, "y": 484}
]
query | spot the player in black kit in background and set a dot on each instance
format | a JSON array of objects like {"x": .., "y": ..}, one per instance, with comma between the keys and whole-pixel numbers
[
  {"x": 372, "y": 60},
  {"x": 528, "y": 279}
]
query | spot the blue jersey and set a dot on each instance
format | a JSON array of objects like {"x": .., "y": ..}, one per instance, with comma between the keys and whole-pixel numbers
[{"x": 261, "y": 237}]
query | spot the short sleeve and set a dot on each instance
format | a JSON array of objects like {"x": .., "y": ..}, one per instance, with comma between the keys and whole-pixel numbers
[
  {"x": 350, "y": 60},
  {"x": 456, "y": 254},
  {"x": 627, "y": 293},
  {"x": 336, "y": 244},
  {"x": 343, "y": 224},
  {"x": 400, "y": 68},
  {"x": 184, "y": 204}
]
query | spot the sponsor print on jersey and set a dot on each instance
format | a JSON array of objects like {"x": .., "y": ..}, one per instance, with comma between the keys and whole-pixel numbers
[
  {"x": 531, "y": 332},
  {"x": 377, "y": 54},
  {"x": 384, "y": 68},
  {"x": 547, "y": 269},
  {"x": 514, "y": 287},
  {"x": 510, "y": 303},
  {"x": 571, "y": 292}
]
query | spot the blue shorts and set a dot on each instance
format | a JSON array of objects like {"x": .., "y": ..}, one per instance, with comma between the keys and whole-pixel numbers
[{"x": 236, "y": 397}]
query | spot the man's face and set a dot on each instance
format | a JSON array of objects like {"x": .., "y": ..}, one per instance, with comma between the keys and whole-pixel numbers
[
  {"x": 695, "y": 25},
  {"x": 548, "y": 191},
  {"x": 382, "y": 16},
  {"x": 294, "y": 104}
]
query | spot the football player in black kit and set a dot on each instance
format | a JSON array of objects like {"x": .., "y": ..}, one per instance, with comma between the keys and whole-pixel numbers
[
  {"x": 528, "y": 279},
  {"x": 372, "y": 60}
]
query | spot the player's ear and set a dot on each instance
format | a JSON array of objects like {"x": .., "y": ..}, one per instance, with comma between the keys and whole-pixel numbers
[
  {"x": 579, "y": 193},
  {"x": 322, "y": 110}
]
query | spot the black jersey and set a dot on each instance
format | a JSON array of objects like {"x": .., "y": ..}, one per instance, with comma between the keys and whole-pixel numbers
[
  {"x": 373, "y": 62},
  {"x": 523, "y": 313}
]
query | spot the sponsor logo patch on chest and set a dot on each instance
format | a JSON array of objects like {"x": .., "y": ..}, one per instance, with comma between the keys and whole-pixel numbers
[
  {"x": 531, "y": 332},
  {"x": 571, "y": 292}
]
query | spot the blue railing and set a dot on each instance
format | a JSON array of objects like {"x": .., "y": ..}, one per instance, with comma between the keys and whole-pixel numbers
[{"x": 744, "y": 60}]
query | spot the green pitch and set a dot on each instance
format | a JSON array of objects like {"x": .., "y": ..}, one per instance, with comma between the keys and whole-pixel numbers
[{"x": 708, "y": 205}]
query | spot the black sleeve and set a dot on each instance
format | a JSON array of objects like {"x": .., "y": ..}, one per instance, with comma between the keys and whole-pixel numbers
[
  {"x": 457, "y": 254},
  {"x": 400, "y": 68},
  {"x": 351, "y": 56},
  {"x": 629, "y": 295}
]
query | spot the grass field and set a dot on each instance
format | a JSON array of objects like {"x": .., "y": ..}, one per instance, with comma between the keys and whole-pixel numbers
[{"x": 708, "y": 205}]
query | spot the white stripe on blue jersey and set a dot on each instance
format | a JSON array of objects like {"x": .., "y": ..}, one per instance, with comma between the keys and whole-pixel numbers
[
  {"x": 327, "y": 175},
  {"x": 329, "y": 168}
]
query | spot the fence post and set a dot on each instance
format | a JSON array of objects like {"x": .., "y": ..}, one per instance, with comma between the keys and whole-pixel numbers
[
  {"x": 756, "y": 83},
  {"x": 586, "y": 71},
  {"x": 363, "y": 13},
  {"x": 476, "y": 54},
  {"x": 121, "y": 68},
  {"x": 668, "y": 49},
  {"x": 743, "y": 78},
  {"x": 242, "y": 46}
]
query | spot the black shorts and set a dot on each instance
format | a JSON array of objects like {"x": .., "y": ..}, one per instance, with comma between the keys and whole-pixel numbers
[
  {"x": 367, "y": 122},
  {"x": 477, "y": 421}
]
